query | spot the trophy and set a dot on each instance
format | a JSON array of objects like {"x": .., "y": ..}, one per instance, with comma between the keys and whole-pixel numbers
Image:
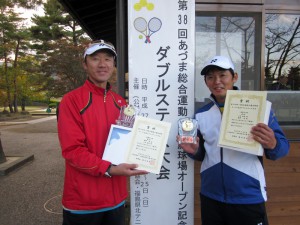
[
  {"x": 127, "y": 116},
  {"x": 187, "y": 130}
]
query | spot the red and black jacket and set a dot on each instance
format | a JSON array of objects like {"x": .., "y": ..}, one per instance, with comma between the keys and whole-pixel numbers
[{"x": 85, "y": 117}]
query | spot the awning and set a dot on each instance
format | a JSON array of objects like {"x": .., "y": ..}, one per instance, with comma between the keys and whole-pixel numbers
[{"x": 97, "y": 17}]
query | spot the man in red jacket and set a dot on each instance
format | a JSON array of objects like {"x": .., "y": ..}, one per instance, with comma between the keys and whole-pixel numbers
[{"x": 94, "y": 189}]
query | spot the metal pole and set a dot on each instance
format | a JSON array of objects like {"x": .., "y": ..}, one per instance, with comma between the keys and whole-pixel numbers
[{"x": 120, "y": 45}]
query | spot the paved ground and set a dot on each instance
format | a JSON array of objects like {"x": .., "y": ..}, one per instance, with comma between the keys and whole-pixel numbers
[{"x": 31, "y": 195}]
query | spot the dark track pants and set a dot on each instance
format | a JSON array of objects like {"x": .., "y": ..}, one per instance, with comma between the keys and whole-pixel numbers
[
  {"x": 111, "y": 217},
  {"x": 219, "y": 213}
]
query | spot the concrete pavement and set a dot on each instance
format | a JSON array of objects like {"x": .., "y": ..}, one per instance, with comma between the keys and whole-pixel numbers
[{"x": 31, "y": 195}]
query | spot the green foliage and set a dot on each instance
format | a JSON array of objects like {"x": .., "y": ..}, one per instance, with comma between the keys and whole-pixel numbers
[
  {"x": 57, "y": 24},
  {"x": 59, "y": 46},
  {"x": 64, "y": 69},
  {"x": 42, "y": 61},
  {"x": 53, "y": 105}
]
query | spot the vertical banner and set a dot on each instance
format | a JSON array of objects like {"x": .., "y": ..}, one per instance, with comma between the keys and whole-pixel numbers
[{"x": 161, "y": 83}]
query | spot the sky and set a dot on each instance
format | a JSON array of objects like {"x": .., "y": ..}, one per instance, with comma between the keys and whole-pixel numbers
[{"x": 28, "y": 13}]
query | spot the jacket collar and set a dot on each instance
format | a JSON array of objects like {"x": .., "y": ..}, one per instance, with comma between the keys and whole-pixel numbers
[{"x": 95, "y": 89}]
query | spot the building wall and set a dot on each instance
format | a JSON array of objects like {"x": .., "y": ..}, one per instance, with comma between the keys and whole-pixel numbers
[
  {"x": 283, "y": 182},
  {"x": 283, "y": 175}
]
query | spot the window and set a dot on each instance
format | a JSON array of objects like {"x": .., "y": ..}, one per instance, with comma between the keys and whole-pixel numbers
[
  {"x": 282, "y": 66},
  {"x": 282, "y": 49},
  {"x": 235, "y": 35}
]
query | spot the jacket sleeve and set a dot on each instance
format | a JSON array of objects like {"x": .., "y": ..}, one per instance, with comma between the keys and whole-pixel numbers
[
  {"x": 73, "y": 140},
  {"x": 282, "y": 146}
]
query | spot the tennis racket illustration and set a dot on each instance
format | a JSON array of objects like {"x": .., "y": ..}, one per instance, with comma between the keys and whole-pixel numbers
[
  {"x": 140, "y": 24},
  {"x": 154, "y": 25},
  {"x": 147, "y": 29}
]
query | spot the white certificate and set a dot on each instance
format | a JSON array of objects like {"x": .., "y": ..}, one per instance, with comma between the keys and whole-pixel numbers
[
  {"x": 144, "y": 144},
  {"x": 242, "y": 111},
  {"x": 116, "y": 144},
  {"x": 148, "y": 143}
]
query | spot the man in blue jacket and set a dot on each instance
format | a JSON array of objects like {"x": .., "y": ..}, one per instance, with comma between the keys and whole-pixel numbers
[{"x": 233, "y": 186}]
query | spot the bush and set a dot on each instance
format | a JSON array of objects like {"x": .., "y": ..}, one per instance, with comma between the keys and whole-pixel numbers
[{"x": 53, "y": 105}]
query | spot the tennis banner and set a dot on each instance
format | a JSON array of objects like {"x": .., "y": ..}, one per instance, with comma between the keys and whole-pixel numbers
[{"x": 161, "y": 50}]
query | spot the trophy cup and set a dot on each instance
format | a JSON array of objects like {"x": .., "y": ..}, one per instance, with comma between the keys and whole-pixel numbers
[
  {"x": 187, "y": 130},
  {"x": 127, "y": 116}
]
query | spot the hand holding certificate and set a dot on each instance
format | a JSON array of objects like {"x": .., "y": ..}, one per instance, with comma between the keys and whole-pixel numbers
[
  {"x": 144, "y": 144},
  {"x": 242, "y": 111},
  {"x": 148, "y": 144}
]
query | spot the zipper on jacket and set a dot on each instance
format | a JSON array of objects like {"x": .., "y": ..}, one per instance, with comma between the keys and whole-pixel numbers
[
  {"x": 222, "y": 164},
  {"x": 221, "y": 155},
  {"x": 222, "y": 177},
  {"x": 105, "y": 109}
]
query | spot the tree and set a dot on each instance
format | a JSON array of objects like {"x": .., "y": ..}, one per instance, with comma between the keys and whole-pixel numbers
[
  {"x": 282, "y": 45},
  {"x": 294, "y": 78},
  {"x": 63, "y": 68},
  {"x": 59, "y": 44},
  {"x": 12, "y": 41},
  {"x": 8, "y": 24},
  {"x": 30, "y": 81}
]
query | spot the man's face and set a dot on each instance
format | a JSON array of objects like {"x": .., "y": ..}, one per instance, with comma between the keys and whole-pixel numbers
[
  {"x": 99, "y": 67},
  {"x": 219, "y": 81}
]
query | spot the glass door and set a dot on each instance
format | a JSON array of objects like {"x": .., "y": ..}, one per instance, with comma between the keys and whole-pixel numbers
[{"x": 235, "y": 35}]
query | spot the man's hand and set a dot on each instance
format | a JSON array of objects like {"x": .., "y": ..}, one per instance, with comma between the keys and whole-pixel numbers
[
  {"x": 263, "y": 134},
  {"x": 189, "y": 147},
  {"x": 126, "y": 169}
]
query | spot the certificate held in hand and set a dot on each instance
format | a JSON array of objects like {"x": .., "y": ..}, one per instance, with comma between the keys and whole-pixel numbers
[
  {"x": 144, "y": 144},
  {"x": 242, "y": 111}
]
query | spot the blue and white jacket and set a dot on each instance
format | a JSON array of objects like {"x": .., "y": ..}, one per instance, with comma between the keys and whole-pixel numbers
[{"x": 231, "y": 176}]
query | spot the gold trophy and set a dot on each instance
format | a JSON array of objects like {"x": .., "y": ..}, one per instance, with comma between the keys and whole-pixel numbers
[
  {"x": 127, "y": 116},
  {"x": 187, "y": 130}
]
